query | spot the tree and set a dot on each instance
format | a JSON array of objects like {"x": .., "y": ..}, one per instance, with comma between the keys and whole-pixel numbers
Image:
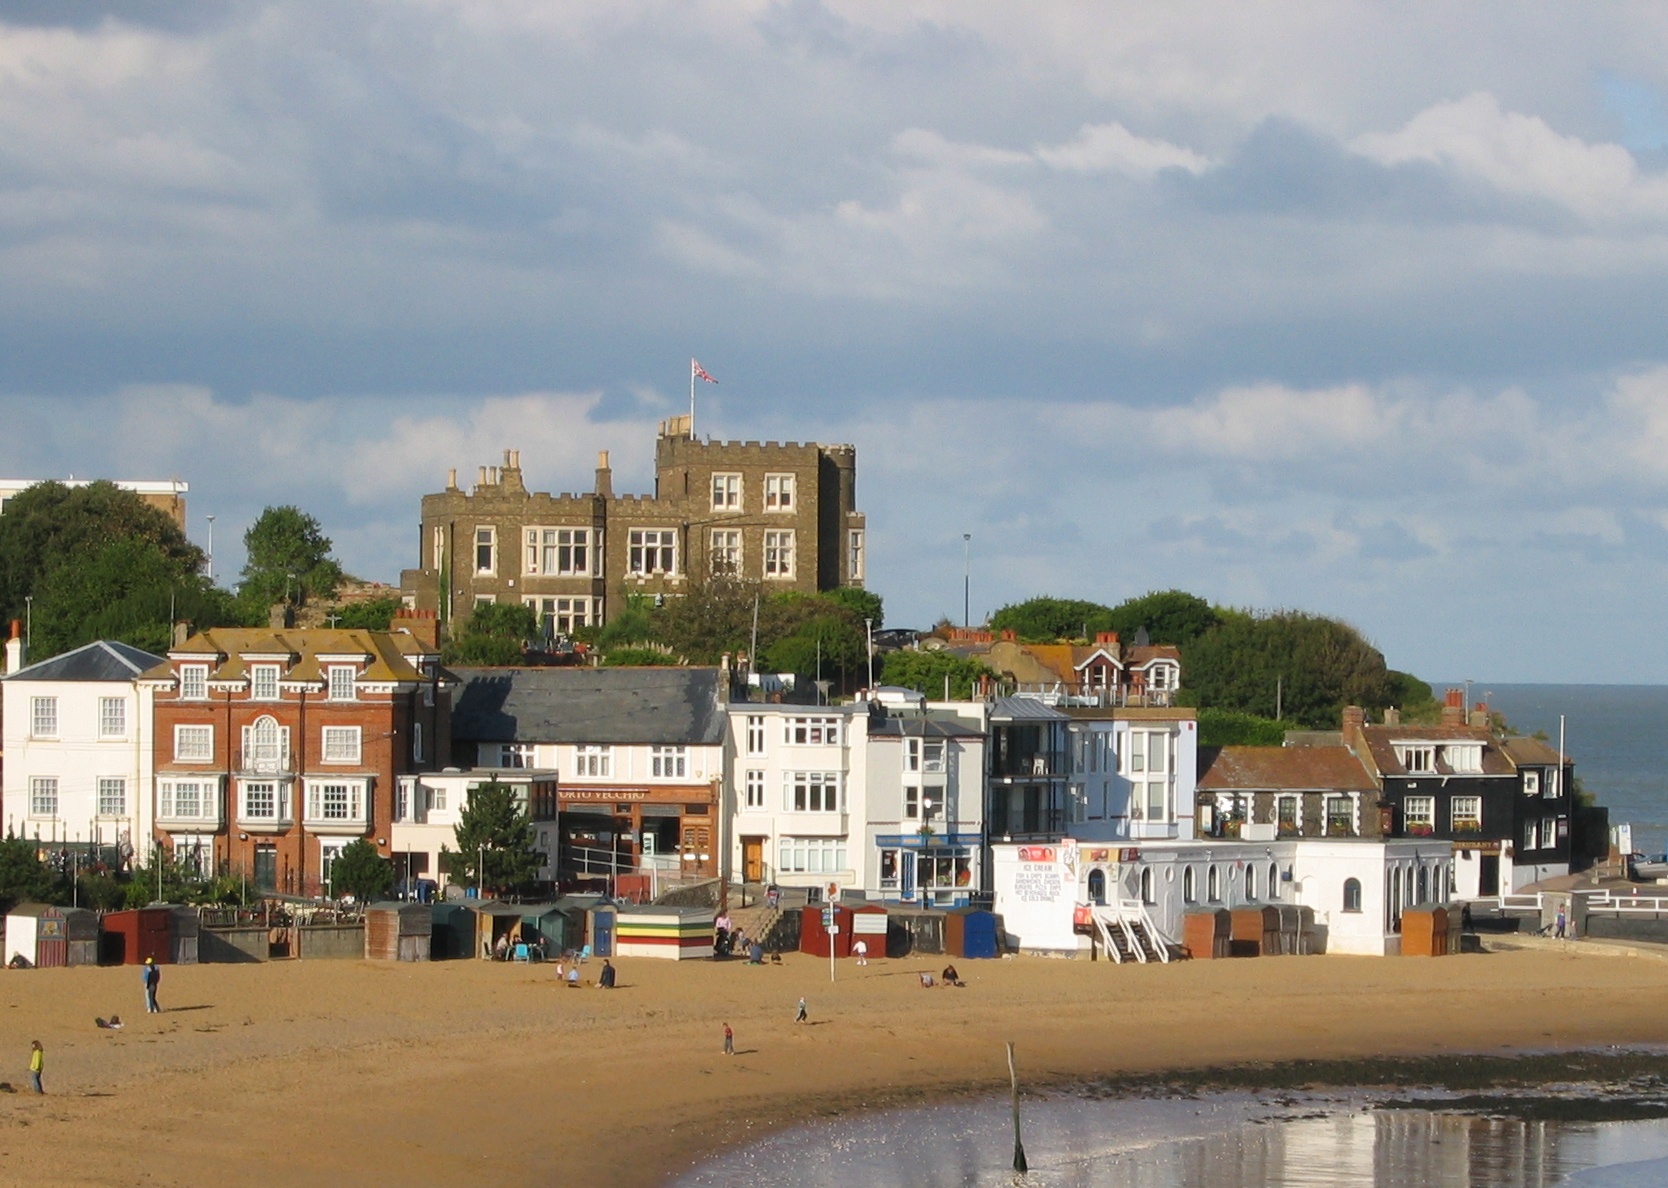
[
  {"x": 925, "y": 672},
  {"x": 1044, "y": 620},
  {"x": 24, "y": 878},
  {"x": 632, "y": 624},
  {"x": 361, "y": 872},
  {"x": 288, "y": 560},
  {"x": 493, "y": 827},
  {"x": 1313, "y": 666},
  {"x": 712, "y": 618},
  {"x": 373, "y": 614},
  {"x": 1230, "y": 728},
  {"x": 865, "y": 604},
  {"x": 99, "y": 561},
  {"x": 180, "y": 881},
  {"x": 822, "y": 645},
  {"x": 1169, "y": 617},
  {"x": 494, "y": 636}
]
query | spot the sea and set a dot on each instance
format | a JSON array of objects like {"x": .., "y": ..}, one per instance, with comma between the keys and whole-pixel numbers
[
  {"x": 1611, "y": 732},
  {"x": 1270, "y": 1140}
]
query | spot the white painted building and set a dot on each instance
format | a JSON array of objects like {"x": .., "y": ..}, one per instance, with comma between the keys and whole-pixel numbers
[
  {"x": 886, "y": 798},
  {"x": 1132, "y": 773},
  {"x": 78, "y": 750},
  {"x": 428, "y": 808},
  {"x": 1356, "y": 888}
]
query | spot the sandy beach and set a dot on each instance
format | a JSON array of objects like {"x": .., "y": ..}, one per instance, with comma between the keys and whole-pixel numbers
[{"x": 486, "y": 1074}]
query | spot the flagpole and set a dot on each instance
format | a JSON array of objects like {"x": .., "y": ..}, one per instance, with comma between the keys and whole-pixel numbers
[{"x": 692, "y": 398}]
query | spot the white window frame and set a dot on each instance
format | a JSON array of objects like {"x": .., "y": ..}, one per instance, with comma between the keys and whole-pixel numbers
[
  {"x": 811, "y": 732},
  {"x": 340, "y": 682},
  {"x": 1419, "y": 811},
  {"x": 280, "y": 800},
  {"x": 753, "y": 788},
  {"x": 486, "y": 536},
  {"x": 593, "y": 761},
  {"x": 725, "y": 551},
  {"x": 854, "y": 554},
  {"x": 43, "y": 717},
  {"x": 1419, "y": 759},
  {"x": 112, "y": 717},
  {"x": 811, "y": 855},
  {"x": 112, "y": 796},
  {"x": 652, "y": 552},
  {"x": 438, "y": 555},
  {"x": 263, "y": 682},
  {"x": 1464, "y": 758},
  {"x": 43, "y": 796},
  {"x": 726, "y": 491},
  {"x": 335, "y": 801},
  {"x": 560, "y": 616},
  {"x": 559, "y": 552},
  {"x": 669, "y": 763},
  {"x": 779, "y": 492},
  {"x": 1454, "y": 814},
  {"x": 270, "y": 753},
  {"x": 194, "y": 682},
  {"x": 813, "y": 792},
  {"x": 1532, "y": 782},
  {"x": 184, "y": 754},
  {"x": 340, "y": 744},
  {"x": 779, "y": 550},
  {"x": 755, "y": 734},
  {"x": 168, "y": 799}
]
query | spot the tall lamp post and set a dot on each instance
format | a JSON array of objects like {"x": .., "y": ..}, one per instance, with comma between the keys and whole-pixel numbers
[
  {"x": 966, "y": 579},
  {"x": 211, "y": 551}
]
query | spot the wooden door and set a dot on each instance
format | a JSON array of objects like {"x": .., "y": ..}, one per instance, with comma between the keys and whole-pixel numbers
[{"x": 752, "y": 859}]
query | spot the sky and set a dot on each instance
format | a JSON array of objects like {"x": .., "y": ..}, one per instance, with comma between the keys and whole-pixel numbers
[{"x": 1353, "y": 308}]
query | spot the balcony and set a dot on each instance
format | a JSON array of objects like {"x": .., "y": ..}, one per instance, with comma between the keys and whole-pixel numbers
[{"x": 262, "y": 761}]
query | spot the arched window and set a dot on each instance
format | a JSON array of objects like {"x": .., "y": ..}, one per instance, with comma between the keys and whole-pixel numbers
[
  {"x": 1097, "y": 887},
  {"x": 1213, "y": 885},
  {"x": 1190, "y": 888},
  {"x": 1352, "y": 895},
  {"x": 1274, "y": 880},
  {"x": 264, "y": 740},
  {"x": 1424, "y": 885},
  {"x": 1394, "y": 907},
  {"x": 1147, "y": 885},
  {"x": 1250, "y": 881}
]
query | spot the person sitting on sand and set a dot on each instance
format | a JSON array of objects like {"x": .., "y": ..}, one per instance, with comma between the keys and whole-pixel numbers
[
  {"x": 605, "y": 979},
  {"x": 926, "y": 980},
  {"x": 949, "y": 977},
  {"x": 755, "y": 954},
  {"x": 573, "y": 978}
]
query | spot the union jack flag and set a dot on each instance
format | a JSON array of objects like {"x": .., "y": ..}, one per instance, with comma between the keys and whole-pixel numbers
[{"x": 699, "y": 372}]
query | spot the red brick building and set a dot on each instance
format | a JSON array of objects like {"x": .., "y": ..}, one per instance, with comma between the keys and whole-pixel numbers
[{"x": 277, "y": 747}]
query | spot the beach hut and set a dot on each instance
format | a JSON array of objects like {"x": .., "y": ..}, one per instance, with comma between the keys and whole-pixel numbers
[
  {"x": 47, "y": 937},
  {"x": 868, "y": 924},
  {"x": 397, "y": 931},
  {"x": 184, "y": 925},
  {"x": 1425, "y": 931},
  {"x": 600, "y": 927},
  {"x": 494, "y": 919},
  {"x": 675, "y": 933},
  {"x": 138, "y": 933},
  {"x": 454, "y": 932},
  {"x": 1207, "y": 934},
  {"x": 1254, "y": 932},
  {"x": 553, "y": 925},
  {"x": 914, "y": 930},
  {"x": 970, "y": 932},
  {"x": 814, "y": 938}
]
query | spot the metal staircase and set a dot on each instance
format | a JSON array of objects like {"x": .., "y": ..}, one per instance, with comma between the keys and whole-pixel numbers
[{"x": 1129, "y": 934}]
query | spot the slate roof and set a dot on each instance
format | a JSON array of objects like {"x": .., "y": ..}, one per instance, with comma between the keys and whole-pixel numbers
[
  {"x": 1282, "y": 769},
  {"x": 925, "y": 728},
  {"x": 1379, "y": 739},
  {"x": 101, "y": 660},
  {"x": 669, "y": 706},
  {"x": 1529, "y": 752},
  {"x": 1023, "y": 709}
]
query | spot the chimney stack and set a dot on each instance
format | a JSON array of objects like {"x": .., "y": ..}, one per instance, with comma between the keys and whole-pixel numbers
[
  {"x": 1354, "y": 719},
  {"x": 14, "y": 648},
  {"x": 1479, "y": 715},
  {"x": 182, "y": 632},
  {"x": 452, "y": 479},
  {"x": 605, "y": 476},
  {"x": 1392, "y": 716},
  {"x": 1453, "y": 708}
]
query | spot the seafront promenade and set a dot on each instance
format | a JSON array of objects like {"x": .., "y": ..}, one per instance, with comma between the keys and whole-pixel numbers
[{"x": 489, "y": 1074}]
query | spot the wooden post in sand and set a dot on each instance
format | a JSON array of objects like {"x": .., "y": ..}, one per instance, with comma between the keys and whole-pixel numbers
[{"x": 1013, "y": 1081}]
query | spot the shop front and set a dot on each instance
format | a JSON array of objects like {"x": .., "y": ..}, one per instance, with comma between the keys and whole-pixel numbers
[
  {"x": 937, "y": 870},
  {"x": 669, "y": 833}
]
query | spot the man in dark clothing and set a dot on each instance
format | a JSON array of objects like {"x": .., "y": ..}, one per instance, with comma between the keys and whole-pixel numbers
[
  {"x": 151, "y": 976},
  {"x": 605, "y": 979}
]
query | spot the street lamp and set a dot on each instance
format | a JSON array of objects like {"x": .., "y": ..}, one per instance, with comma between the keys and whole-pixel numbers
[
  {"x": 966, "y": 579},
  {"x": 211, "y": 551}
]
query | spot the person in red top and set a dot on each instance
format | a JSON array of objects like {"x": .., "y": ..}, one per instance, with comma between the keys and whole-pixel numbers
[{"x": 729, "y": 1041}]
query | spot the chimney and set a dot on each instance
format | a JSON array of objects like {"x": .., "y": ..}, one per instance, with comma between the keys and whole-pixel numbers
[
  {"x": 481, "y": 477},
  {"x": 1453, "y": 708},
  {"x": 512, "y": 472},
  {"x": 14, "y": 648},
  {"x": 1354, "y": 719},
  {"x": 1392, "y": 716},
  {"x": 452, "y": 479},
  {"x": 280, "y": 616},
  {"x": 1106, "y": 637},
  {"x": 1479, "y": 715},
  {"x": 182, "y": 632},
  {"x": 1009, "y": 635},
  {"x": 421, "y": 625},
  {"x": 605, "y": 476}
]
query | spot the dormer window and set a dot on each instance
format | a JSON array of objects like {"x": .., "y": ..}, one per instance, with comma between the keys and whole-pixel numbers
[
  {"x": 1463, "y": 757},
  {"x": 1419, "y": 760},
  {"x": 263, "y": 682},
  {"x": 341, "y": 682},
  {"x": 193, "y": 682}
]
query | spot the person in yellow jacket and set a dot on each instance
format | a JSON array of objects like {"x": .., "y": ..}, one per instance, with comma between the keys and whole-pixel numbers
[{"x": 37, "y": 1061}]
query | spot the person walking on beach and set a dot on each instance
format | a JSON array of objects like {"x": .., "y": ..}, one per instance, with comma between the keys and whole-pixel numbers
[
  {"x": 729, "y": 1041},
  {"x": 861, "y": 951},
  {"x": 1558, "y": 925},
  {"x": 37, "y": 1062},
  {"x": 802, "y": 1016},
  {"x": 151, "y": 977}
]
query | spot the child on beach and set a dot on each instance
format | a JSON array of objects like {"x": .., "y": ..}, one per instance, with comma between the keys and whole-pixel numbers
[
  {"x": 37, "y": 1063},
  {"x": 802, "y": 1016},
  {"x": 729, "y": 1041}
]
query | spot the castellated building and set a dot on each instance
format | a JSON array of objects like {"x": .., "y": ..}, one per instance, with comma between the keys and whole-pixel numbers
[{"x": 784, "y": 514}]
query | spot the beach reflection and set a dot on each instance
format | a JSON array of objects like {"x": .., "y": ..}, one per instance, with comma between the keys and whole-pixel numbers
[{"x": 1318, "y": 1142}]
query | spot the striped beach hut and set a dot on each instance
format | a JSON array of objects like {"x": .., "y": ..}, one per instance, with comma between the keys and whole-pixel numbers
[{"x": 678, "y": 934}]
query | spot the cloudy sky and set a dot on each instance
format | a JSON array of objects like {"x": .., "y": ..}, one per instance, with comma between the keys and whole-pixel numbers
[{"x": 1355, "y": 308}]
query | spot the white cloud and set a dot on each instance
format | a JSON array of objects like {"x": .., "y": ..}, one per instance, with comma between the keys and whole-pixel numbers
[{"x": 1113, "y": 148}]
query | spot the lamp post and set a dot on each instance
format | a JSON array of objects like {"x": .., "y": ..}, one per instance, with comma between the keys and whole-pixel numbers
[
  {"x": 966, "y": 579},
  {"x": 211, "y": 551}
]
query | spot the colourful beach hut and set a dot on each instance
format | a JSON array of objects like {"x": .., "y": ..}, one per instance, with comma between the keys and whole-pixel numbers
[
  {"x": 814, "y": 939},
  {"x": 868, "y": 924},
  {"x": 600, "y": 927},
  {"x": 131, "y": 936},
  {"x": 48, "y": 937},
  {"x": 678, "y": 934},
  {"x": 970, "y": 932}
]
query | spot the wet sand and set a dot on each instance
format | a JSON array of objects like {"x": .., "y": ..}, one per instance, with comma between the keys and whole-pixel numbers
[{"x": 326, "y": 1072}]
